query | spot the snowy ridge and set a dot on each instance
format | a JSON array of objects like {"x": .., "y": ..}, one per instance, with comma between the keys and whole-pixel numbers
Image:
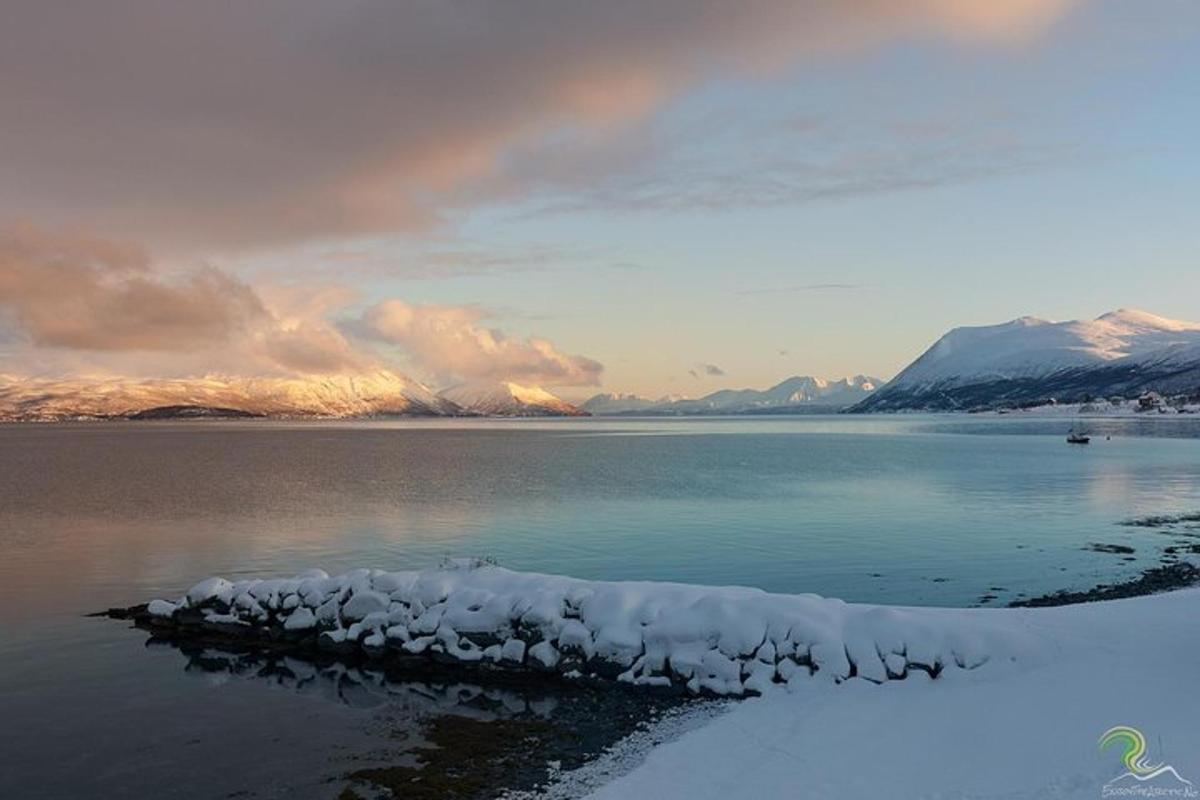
[
  {"x": 794, "y": 393},
  {"x": 620, "y": 403},
  {"x": 508, "y": 399},
  {"x": 1028, "y": 359},
  {"x": 376, "y": 393},
  {"x": 723, "y": 641}
]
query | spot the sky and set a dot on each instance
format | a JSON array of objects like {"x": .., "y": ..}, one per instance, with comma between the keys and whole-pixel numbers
[{"x": 663, "y": 197}]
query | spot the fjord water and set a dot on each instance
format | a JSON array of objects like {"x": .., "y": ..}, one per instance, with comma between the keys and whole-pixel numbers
[{"x": 909, "y": 510}]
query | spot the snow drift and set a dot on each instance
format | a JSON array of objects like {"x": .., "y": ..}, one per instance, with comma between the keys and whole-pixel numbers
[{"x": 723, "y": 641}]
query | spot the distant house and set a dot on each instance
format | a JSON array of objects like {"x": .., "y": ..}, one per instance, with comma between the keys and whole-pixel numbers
[{"x": 1149, "y": 401}]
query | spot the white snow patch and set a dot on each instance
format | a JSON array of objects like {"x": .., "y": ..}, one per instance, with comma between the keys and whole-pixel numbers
[
  {"x": 161, "y": 608},
  {"x": 1027, "y": 731}
]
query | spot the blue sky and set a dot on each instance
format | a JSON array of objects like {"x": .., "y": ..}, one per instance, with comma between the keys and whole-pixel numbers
[
  {"x": 1063, "y": 181},
  {"x": 829, "y": 212}
]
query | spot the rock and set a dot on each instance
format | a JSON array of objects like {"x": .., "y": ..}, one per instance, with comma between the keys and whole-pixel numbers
[
  {"x": 161, "y": 609},
  {"x": 513, "y": 651},
  {"x": 576, "y": 637},
  {"x": 363, "y": 604},
  {"x": 301, "y": 619},
  {"x": 210, "y": 589}
]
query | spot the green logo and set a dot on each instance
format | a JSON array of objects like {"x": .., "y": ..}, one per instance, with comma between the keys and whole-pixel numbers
[{"x": 1138, "y": 767}]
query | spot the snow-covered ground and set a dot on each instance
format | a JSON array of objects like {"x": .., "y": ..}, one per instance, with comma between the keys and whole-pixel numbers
[
  {"x": 1027, "y": 730},
  {"x": 1103, "y": 408},
  {"x": 856, "y": 701}
]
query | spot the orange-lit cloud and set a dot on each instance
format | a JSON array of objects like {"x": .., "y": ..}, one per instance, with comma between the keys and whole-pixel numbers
[
  {"x": 85, "y": 293},
  {"x": 76, "y": 303},
  {"x": 450, "y": 342},
  {"x": 222, "y": 125}
]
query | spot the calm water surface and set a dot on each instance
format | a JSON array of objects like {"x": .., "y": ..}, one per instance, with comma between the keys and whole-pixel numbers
[{"x": 913, "y": 510}]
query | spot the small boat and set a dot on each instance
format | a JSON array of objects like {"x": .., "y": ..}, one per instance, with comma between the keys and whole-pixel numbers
[{"x": 1077, "y": 437}]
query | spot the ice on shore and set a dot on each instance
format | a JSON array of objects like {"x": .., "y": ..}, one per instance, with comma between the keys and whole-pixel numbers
[{"x": 718, "y": 640}]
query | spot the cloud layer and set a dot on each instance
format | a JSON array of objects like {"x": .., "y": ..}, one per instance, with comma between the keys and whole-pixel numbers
[
  {"x": 229, "y": 124},
  {"x": 86, "y": 293},
  {"x": 450, "y": 342},
  {"x": 75, "y": 303}
]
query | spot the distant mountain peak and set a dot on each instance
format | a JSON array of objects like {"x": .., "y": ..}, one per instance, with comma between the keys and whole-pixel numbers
[
  {"x": 796, "y": 392},
  {"x": 509, "y": 399},
  {"x": 1137, "y": 318}
]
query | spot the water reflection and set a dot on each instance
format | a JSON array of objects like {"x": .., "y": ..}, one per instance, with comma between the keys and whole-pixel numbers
[
  {"x": 885, "y": 509},
  {"x": 436, "y": 737},
  {"x": 362, "y": 687}
]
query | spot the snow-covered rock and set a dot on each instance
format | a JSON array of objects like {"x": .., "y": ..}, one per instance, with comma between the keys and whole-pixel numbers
[
  {"x": 508, "y": 399},
  {"x": 725, "y": 641},
  {"x": 161, "y": 608},
  {"x": 1027, "y": 360}
]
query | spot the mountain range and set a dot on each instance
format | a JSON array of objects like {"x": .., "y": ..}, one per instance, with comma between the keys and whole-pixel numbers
[
  {"x": 381, "y": 393},
  {"x": 508, "y": 399},
  {"x": 1025, "y": 362},
  {"x": 376, "y": 394},
  {"x": 798, "y": 394},
  {"x": 1031, "y": 361}
]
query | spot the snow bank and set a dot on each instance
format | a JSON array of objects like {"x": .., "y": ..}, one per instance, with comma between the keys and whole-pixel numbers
[
  {"x": 723, "y": 641},
  {"x": 1027, "y": 732}
]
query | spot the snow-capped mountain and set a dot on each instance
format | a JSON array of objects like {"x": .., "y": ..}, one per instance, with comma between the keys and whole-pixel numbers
[
  {"x": 508, "y": 399},
  {"x": 1029, "y": 360},
  {"x": 613, "y": 403},
  {"x": 795, "y": 394},
  {"x": 381, "y": 393}
]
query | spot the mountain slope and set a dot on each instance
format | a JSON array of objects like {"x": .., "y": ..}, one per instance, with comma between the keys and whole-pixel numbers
[
  {"x": 507, "y": 399},
  {"x": 612, "y": 403},
  {"x": 1029, "y": 360},
  {"x": 795, "y": 394},
  {"x": 370, "y": 394}
]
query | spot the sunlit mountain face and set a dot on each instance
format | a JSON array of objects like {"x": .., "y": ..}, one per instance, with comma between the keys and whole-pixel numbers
[
  {"x": 374, "y": 394},
  {"x": 1122, "y": 353}
]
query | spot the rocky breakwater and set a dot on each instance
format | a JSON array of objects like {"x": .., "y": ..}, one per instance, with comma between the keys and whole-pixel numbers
[{"x": 725, "y": 641}]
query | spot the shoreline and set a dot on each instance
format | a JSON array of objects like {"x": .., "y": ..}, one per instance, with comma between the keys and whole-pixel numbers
[
  {"x": 1154, "y": 580},
  {"x": 581, "y": 749}
]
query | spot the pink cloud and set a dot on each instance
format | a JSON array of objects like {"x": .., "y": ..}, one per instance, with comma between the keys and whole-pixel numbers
[
  {"x": 75, "y": 303},
  {"x": 250, "y": 123},
  {"x": 450, "y": 342}
]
